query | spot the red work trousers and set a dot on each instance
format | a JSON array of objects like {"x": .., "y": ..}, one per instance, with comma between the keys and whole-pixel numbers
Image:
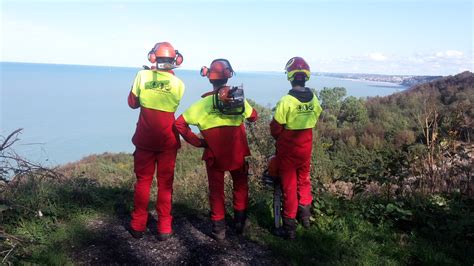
[
  {"x": 296, "y": 184},
  {"x": 216, "y": 190},
  {"x": 146, "y": 162}
]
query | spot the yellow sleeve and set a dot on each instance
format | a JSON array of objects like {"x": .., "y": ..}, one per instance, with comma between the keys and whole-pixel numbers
[
  {"x": 248, "y": 109},
  {"x": 136, "y": 85},
  {"x": 317, "y": 108},
  {"x": 193, "y": 114},
  {"x": 180, "y": 89},
  {"x": 281, "y": 113}
]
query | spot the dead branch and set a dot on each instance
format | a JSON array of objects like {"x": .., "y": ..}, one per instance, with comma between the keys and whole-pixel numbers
[
  {"x": 7, "y": 235},
  {"x": 13, "y": 166},
  {"x": 8, "y": 254},
  {"x": 7, "y": 143}
]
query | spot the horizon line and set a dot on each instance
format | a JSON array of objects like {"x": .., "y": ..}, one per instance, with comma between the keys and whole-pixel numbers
[{"x": 248, "y": 71}]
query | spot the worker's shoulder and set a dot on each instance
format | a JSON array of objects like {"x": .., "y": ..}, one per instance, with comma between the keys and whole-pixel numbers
[
  {"x": 206, "y": 100},
  {"x": 170, "y": 76},
  {"x": 144, "y": 72},
  {"x": 285, "y": 99}
]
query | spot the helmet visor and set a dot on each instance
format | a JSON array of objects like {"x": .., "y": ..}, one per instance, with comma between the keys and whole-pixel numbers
[{"x": 291, "y": 75}]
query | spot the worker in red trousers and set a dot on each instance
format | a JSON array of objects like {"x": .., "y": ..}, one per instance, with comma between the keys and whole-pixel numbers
[
  {"x": 292, "y": 126},
  {"x": 157, "y": 92},
  {"x": 224, "y": 142}
]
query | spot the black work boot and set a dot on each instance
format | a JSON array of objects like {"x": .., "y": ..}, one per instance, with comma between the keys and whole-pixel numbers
[
  {"x": 164, "y": 236},
  {"x": 218, "y": 230},
  {"x": 304, "y": 213},
  {"x": 136, "y": 234},
  {"x": 288, "y": 230},
  {"x": 240, "y": 221}
]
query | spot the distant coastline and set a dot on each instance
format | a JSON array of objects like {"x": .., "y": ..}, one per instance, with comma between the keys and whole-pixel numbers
[{"x": 401, "y": 80}]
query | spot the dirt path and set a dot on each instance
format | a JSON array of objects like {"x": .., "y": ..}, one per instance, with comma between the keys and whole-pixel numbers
[{"x": 191, "y": 244}]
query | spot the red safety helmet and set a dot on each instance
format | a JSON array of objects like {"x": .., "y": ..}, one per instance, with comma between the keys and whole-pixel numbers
[
  {"x": 219, "y": 69},
  {"x": 165, "y": 50},
  {"x": 297, "y": 68}
]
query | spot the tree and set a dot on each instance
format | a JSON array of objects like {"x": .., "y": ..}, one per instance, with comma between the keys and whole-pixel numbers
[
  {"x": 353, "y": 110},
  {"x": 331, "y": 99}
]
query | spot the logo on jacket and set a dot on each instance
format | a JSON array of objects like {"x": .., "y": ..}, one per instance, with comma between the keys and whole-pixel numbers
[
  {"x": 158, "y": 85},
  {"x": 303, "y": 108}
]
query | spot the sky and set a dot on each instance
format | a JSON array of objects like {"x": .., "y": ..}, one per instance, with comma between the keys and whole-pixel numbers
[{"x": 404, "y": 37}]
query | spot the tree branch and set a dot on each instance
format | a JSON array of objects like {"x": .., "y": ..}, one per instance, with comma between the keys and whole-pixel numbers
[{"x": 7, "y": 143}]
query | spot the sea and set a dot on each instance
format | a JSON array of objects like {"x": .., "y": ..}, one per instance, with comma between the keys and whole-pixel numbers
[{"x": 70, "y": 111}]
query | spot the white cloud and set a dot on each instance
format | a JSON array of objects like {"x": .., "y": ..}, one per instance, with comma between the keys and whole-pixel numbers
[
  {"x": 448, "y": 62},
  {"x": 454, "y": 53},
  {"x": 377, "y": 56},
  {"x": 449, "y": 54}
]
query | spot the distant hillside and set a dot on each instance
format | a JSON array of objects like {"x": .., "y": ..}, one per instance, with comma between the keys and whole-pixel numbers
[
  {"x": 450, "y": 90},
  {"x": 452, "y": 97},
  {"x": 448, "y": 86},
  {"x": 411, "y": 81}
]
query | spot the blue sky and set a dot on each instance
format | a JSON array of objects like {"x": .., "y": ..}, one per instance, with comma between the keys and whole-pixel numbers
[{"x": 376, "y": 36}]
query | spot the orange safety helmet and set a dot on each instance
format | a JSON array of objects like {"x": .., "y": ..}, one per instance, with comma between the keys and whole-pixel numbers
[
  {"x": 297, "y": 68},
  {"x": 165, "y": 50},
  {"x": 219, "y": 69}
]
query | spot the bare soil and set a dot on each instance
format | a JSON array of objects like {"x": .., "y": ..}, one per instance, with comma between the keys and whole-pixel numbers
[{"x": 111, "y": 243}]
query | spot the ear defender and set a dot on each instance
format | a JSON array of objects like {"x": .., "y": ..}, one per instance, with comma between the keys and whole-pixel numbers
[
  {"x": 178, "y": 59},
  {"x": 152, "y": 57},
  {"x": 204, "y": 71},
  {"x": 228, "y": 72}
]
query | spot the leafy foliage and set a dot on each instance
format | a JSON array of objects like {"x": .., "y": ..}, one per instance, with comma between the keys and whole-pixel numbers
[{"x": 422, "y": 134}]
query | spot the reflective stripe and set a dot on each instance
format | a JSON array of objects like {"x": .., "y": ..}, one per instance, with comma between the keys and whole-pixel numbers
[
  {"x": 295, "y": 115},
  {"x": 158, "y": 90},
  {"x": 203, "y": 115}
]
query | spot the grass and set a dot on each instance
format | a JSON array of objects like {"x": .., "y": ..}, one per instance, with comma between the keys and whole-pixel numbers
[
  {"x": 342, "y": 234},
  {"x": 66, "y": 206},
  {"x": 364, "y": 231},
  {"x": 337, "y": 239},
  {"x": 53, "y": 242}
]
